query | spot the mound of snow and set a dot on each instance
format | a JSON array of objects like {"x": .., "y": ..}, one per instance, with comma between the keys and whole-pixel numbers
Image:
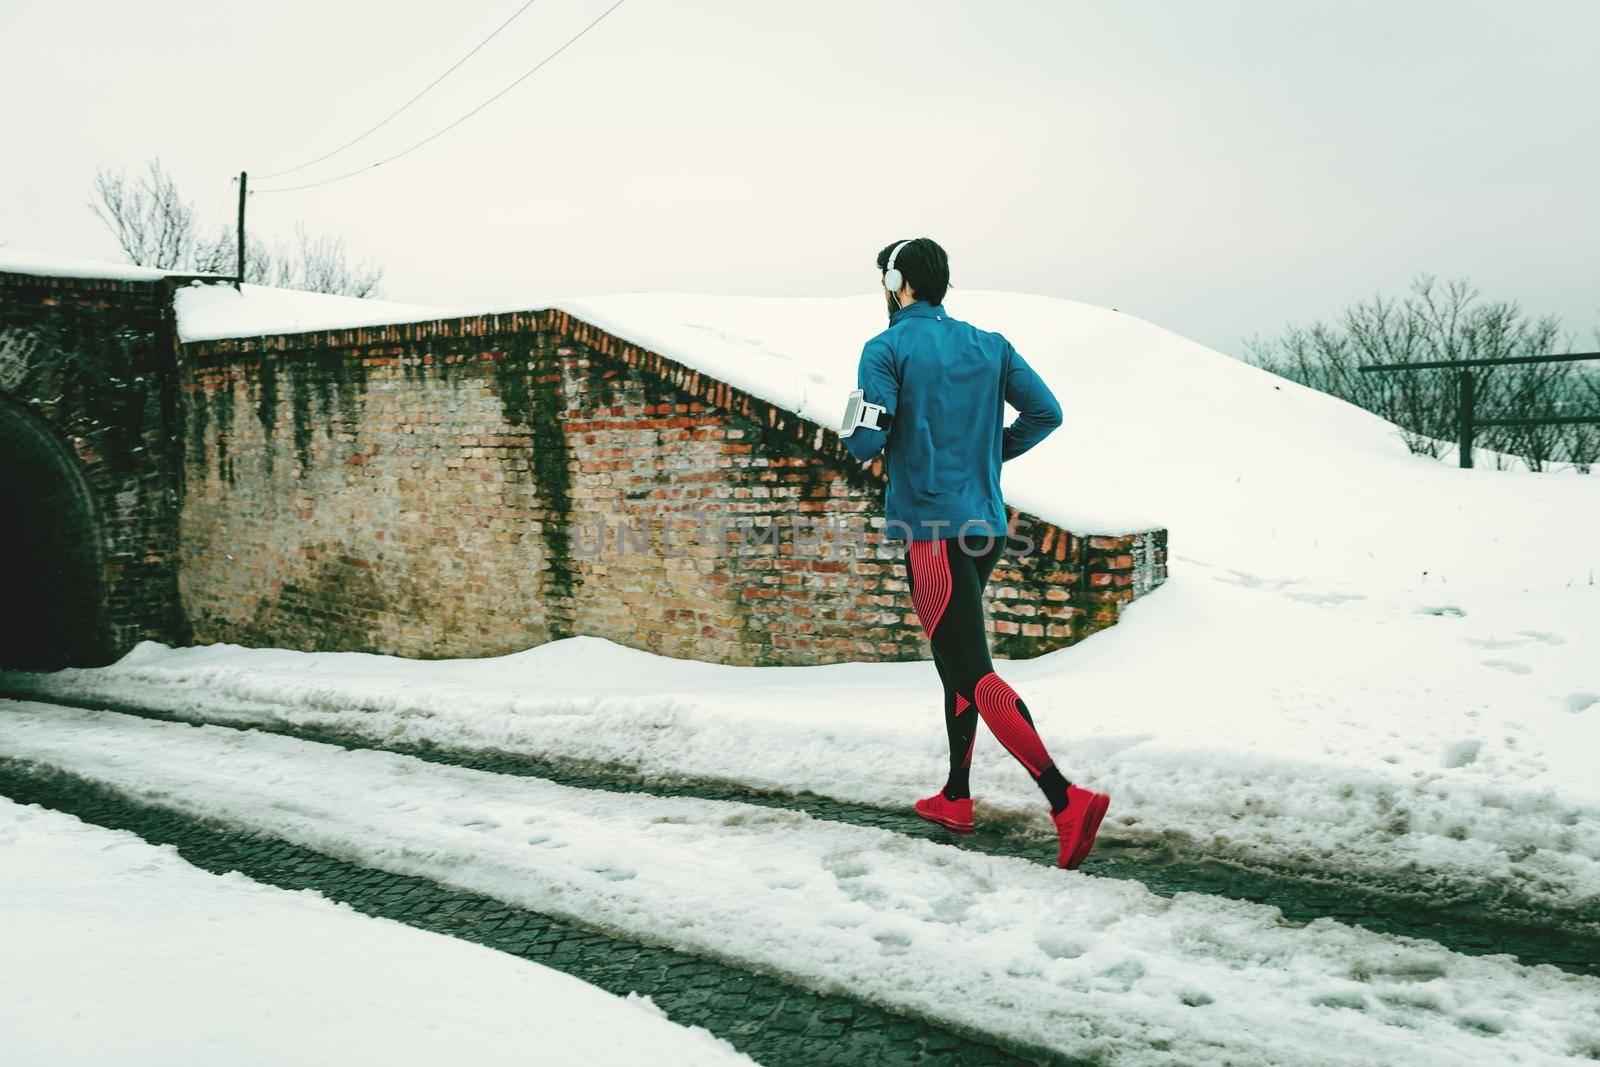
[{"x": 207, "y": 312}]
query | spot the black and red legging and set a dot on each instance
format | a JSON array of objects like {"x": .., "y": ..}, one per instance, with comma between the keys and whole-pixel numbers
[{"x": 947, "y": 576}]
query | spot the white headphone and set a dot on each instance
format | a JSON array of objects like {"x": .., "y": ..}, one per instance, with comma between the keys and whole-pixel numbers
[{"x": 893, "y": 279}]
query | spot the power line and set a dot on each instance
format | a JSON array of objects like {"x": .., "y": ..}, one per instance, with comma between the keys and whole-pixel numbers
[
  {"x": 435, "y": 136},
  {"x": 408, "y": 103}
]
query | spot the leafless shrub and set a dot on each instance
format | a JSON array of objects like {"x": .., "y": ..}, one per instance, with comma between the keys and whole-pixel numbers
[{"x": 1446, "y": 322}]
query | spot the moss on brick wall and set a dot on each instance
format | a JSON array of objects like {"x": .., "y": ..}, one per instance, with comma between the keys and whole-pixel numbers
[{"x": 531, "y": 383}]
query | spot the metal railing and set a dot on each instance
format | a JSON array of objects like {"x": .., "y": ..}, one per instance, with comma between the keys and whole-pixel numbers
[{"x": 1467, "y": 421}]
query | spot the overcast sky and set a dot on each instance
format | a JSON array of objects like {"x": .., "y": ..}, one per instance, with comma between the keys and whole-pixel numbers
[{"x": 1220, "y": 168}]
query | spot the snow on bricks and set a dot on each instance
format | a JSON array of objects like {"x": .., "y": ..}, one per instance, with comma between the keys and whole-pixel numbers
[{"x": 474, "y": 485}]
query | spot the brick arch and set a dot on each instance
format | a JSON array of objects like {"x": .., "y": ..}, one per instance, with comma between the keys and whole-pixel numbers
[
  {"x": 51, "y": 549},
  {"x": 89, "y": 465}
]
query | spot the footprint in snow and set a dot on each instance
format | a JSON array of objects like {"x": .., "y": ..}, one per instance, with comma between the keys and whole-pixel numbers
[
  {"x": 1251, "y": 581},
  {"x": 1060, "y": 947},
  {"x": 950, "y": 909},
  {"x": 1547, "y": 638},
  {"x": 1324, "y": 598},
  {"x": 1343, "y": 998},
  {"x": 541, "y": 839},
  {"x": 1508, "y": 665},
  {"x": 892, "y": 942},
  {"x": 1493, "y": 643},
  {"x": 1461, "y": 753},
  {"x": 1416, "y": 970},
  {"x": 1447, "y": 610},
  {"x": 1582, "y": 701}
]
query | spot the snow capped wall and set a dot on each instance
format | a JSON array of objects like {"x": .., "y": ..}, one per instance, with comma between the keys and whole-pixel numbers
[
  {"x": 476, "y": 485},
  {"x": 207, "y": 311},
  {"x": 44, "y": 265}
]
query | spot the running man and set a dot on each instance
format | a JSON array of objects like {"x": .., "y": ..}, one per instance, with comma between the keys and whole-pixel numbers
[{"x": 931, "y": 396}]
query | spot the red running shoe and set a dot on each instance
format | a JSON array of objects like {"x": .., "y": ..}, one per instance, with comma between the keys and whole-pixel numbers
[
  {"x": 953, "y": 815},
  {"x": 1078, "y": 823}
]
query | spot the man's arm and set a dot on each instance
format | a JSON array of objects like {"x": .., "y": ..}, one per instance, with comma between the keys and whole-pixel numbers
[
  {"x": 1037, "y": 410},
  {"x": 876, "y": 379}
]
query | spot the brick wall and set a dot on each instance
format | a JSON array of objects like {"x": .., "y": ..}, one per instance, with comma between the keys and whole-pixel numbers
[
  {"x": 475, "y": 486},
  {"x": 90, "y": 446}
]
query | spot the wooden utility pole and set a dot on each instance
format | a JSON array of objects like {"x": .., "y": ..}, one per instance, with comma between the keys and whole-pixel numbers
[{"x": 238, "y": 277}]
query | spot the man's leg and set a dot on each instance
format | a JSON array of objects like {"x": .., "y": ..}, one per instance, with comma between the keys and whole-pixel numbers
[
  {"x": 948, "y": 597},
  {"x": 961, "y": 727},
  {"x": 960, "y": 720}
]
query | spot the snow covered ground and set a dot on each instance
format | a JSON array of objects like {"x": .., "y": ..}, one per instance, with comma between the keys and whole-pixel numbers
[
  {"x": 116, "y": 951},
  {"x": 1093, "y": 967}
]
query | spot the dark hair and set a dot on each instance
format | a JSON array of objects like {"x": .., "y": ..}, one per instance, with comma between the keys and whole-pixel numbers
[{"x": 924, "y": 265}]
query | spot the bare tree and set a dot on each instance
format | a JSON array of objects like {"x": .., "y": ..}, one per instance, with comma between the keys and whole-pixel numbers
[
  {"x": 317, "y": 263},
  {"x": 154, "y": 224},
  {"x": 156, "y": 227},
  {"x": 1442, "y": 322}
]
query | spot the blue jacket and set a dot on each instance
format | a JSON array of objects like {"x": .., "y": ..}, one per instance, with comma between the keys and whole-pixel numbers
[{"x": 947, "y": 383}]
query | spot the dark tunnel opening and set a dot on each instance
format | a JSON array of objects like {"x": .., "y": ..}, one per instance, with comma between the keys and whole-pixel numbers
[{"x": 50, "y": 557}]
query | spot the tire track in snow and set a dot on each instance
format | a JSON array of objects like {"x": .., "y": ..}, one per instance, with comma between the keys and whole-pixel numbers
[{"x": 1471, "y": 927}]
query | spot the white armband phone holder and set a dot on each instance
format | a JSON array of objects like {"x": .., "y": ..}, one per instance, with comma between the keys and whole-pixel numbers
[{"x": 858, "y": 413}]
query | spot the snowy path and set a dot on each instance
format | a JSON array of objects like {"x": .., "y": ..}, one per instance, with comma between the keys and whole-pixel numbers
[
  {"x": 100, "y": 927},
  {"x": 1470, "y": 926},
  {"x": 1088, "y": 966}
]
